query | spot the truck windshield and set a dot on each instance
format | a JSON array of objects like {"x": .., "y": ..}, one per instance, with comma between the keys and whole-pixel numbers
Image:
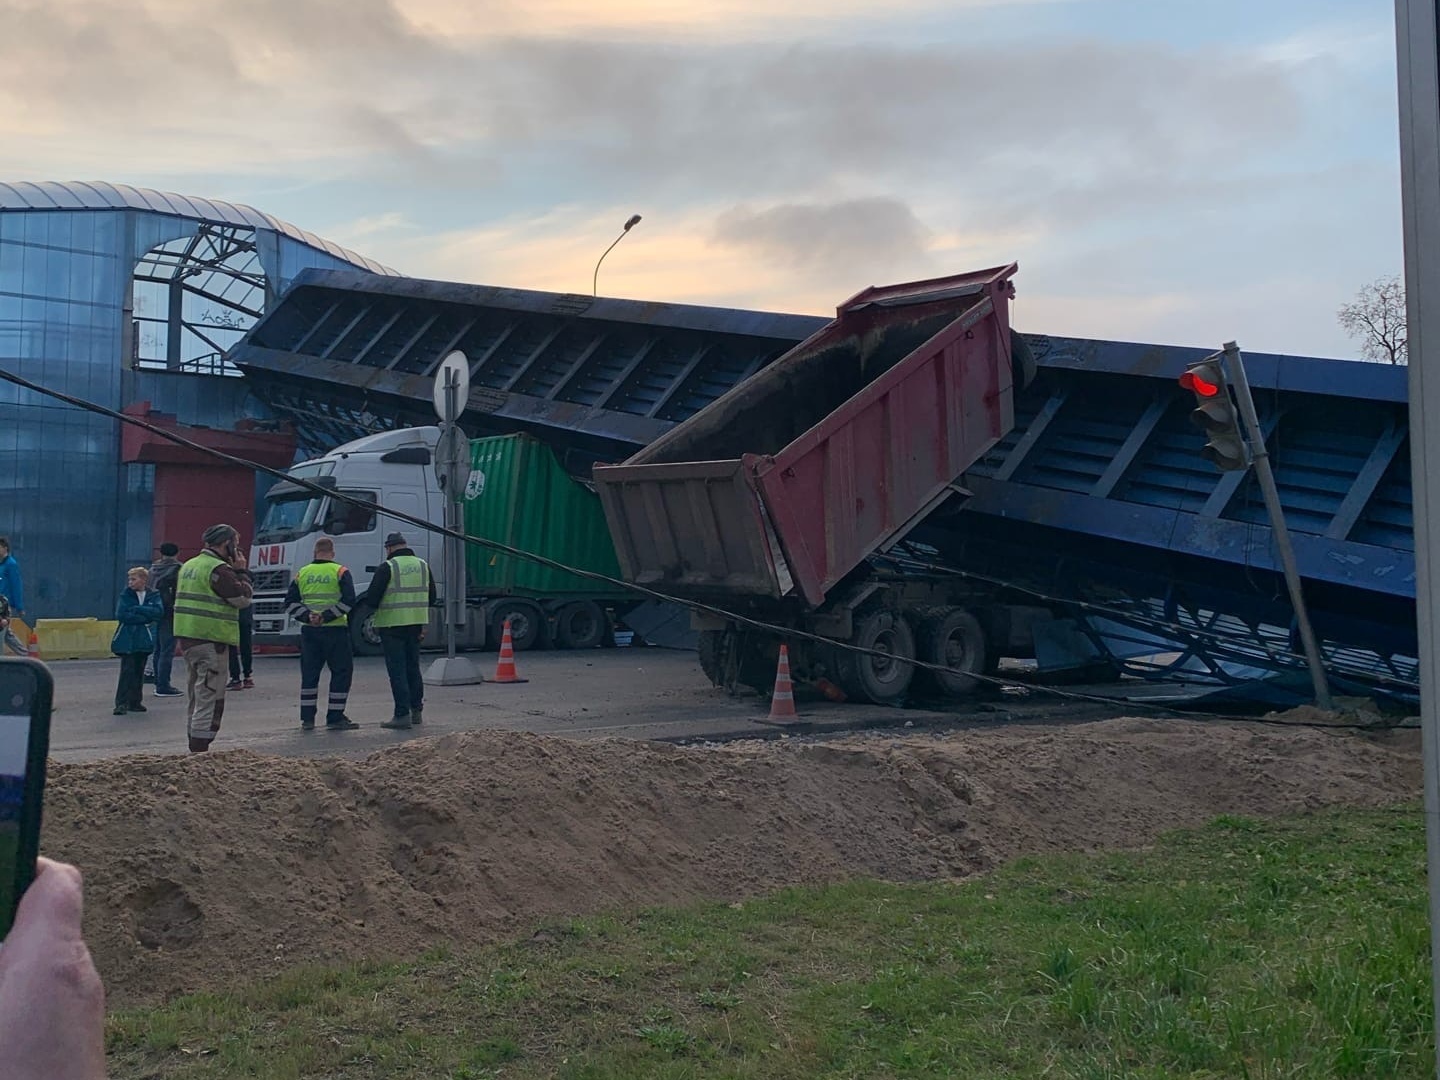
[{"x": 287, "y": 518}]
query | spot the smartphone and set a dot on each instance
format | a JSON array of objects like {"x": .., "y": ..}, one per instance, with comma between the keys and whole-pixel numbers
[{"x": 26, "y": 692}]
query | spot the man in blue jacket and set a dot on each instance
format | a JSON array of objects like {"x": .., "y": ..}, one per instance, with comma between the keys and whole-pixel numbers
[{"x": 12, "y": 590}]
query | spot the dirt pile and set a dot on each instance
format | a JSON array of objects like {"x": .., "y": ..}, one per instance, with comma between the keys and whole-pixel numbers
[{"x": 228, "y": 865}]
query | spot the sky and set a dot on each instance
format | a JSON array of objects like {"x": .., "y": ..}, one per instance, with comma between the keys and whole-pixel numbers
[{"x": 1162, "y": 170}]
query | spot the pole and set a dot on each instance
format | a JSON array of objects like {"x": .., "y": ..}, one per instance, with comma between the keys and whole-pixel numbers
[
  {"x": 595, "y": 278},
  {"x": 1260, "y": 458},
  {"x": 453, "y": 580},
  {"x": 1418, "y": 65}
]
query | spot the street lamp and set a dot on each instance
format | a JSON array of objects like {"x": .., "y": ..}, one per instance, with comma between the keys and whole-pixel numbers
[{"x": 595, "y": 280}]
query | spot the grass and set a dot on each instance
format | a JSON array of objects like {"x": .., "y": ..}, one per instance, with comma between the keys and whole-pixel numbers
[{"x": 1242, "y": 949}]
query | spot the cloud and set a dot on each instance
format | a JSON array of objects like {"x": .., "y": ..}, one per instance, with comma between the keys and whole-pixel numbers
[
  {"x": 776, "y": 164},
  {"x": 354, "y": 233},
  {"x": 346, "y": 82},
  {"x": 882, "y": 231},
  {"x": 719, "y": 255},
  {"x": 729, "y": 20}
]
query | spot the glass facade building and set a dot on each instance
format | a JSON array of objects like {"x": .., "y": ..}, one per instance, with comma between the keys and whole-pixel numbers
[{"x": 119, "y": 295}]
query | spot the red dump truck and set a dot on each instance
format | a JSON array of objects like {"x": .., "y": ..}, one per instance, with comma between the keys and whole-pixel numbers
[{"x": 771, "y": 501}]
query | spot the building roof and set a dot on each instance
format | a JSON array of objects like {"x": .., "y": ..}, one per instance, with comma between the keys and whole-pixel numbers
[{"x": 98, "y": 195}]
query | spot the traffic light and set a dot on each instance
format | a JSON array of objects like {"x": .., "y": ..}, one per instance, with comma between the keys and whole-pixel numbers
[{"x": 1215, "y": 414}]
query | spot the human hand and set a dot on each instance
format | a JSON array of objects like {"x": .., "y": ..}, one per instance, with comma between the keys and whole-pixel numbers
[{"x": 52, "y": 1005}]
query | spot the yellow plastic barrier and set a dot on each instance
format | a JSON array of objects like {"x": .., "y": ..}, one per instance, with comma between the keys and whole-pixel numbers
[{"x": 74, "y": 639}]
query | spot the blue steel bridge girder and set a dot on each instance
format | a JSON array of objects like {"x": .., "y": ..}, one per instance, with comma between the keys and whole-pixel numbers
[{"x": 320, "y": 377}]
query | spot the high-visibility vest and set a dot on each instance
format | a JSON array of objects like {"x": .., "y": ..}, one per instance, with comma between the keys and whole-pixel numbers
[
  {"x": 407, "y": 598},
  {"x": 319, "y": 585},
  {"x": 199, "y": 612}
]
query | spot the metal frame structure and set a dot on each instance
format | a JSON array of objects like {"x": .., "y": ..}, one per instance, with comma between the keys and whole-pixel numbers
[
  {"x": 599, "y": 375},
  {"x": 218, "y": 265}
]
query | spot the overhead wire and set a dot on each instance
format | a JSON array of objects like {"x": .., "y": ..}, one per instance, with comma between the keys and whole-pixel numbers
[{"x": 784, "y": 632}]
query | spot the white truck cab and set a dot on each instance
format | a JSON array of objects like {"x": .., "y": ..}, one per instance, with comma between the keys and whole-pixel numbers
[{"x": 394, "y": 469}]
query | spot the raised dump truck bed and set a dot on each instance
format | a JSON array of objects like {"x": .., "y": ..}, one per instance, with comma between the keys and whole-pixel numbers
[
  {"x": 783, "y": 486},
  {"x": 774, "y": 496}
]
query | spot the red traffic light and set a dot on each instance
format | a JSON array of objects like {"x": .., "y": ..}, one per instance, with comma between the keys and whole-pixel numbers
[{"x": 1200, "y": 382}]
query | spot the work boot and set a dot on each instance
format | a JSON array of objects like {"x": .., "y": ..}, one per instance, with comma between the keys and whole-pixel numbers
[
  {"x": 137, "y": 708},
  {"x": 307, "y": 723},
  {"x": 120, "y": 710},
  {"x": 415, "y": 716},
  {"x": 398, "y": 723},
  {"x": 340, "y": 723},
  {"x": 199, "y": 746}
]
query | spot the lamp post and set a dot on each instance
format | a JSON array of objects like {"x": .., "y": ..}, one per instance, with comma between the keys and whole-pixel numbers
[{"x": 595, "y": 280}]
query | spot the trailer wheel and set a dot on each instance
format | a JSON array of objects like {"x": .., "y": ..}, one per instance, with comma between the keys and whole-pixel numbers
[
  {"x": 580, "y": 625},
  {"x": 955, "y": 639},
  {"x": 526, "y": 623},
  {"x": 712, "y": 656},
  {"x": 881, "y": 679},
  {"x": 364, "y": 638}
]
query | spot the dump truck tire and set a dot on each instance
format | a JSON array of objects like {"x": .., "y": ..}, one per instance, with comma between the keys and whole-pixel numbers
[
  {"x": 882, "y": 680},
  {"x": 953, "y": 638}
]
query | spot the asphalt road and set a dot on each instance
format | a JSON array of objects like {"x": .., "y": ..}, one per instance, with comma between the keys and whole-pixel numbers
[{"x": 639, "y": 693}]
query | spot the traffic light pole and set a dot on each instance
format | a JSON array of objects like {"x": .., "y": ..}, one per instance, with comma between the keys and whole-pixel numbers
[
  {"x": 1417, "y": 29},
  {"x": 1260, "y": 458}
]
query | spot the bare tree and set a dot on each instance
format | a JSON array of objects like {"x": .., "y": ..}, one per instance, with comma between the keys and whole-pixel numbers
[{"x": 1377, "y": 318}]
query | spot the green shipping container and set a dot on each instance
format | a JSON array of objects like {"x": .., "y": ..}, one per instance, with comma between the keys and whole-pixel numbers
[{"x": 519, "y": 495}]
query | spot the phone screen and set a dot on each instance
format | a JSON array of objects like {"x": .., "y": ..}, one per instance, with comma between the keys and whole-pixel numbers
[{"x": 25, "y": 698}]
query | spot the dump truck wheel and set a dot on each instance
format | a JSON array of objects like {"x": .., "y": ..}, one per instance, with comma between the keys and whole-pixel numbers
[
  {"x": 953, "y": 638},
  {"x": 580, "y": 625},
  {"x": 881, "y": 679}
]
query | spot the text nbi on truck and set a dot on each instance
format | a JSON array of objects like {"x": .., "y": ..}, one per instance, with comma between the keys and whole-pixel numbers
[
  {"x": 518, "y": 494},
  {"x": 772, "y": 500}
]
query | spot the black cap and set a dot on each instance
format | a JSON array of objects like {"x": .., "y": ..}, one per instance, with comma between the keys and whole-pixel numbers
[
  {"x": 168, "y": 548},
  {"x": 396, "y": 539}
]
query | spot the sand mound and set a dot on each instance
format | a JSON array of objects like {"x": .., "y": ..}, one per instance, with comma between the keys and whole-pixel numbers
[{"x": 229, "y": 865}]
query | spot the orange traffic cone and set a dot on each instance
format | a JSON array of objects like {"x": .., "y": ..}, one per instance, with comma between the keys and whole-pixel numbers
[
  {"x": 505, "y": 669},
  {"x": 782, "y": 702},
  {"x": 32, "y": 647}
]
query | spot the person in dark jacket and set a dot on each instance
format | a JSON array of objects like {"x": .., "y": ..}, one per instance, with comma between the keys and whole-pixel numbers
[
  {"x": 320, "y": 599},
  {"x": 400, "y": 595},
  {"x": 137, "y": 611},
  {"x": 164, "y": 573},
  {"x": 242, "y": 656},
  {"x": 12, "y": 590}
]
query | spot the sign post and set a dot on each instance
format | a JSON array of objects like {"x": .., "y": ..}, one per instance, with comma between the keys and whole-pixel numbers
[{"x": 452, "y": 471}]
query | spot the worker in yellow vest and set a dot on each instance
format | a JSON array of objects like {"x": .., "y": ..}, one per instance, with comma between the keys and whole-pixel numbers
[
  {"x": 401, "y": 594},
  {"x": 209, "y": 593},
  {"x": 320, "y": 599}
]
